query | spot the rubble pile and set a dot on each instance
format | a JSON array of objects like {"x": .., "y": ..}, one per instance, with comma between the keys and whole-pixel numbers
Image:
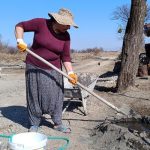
[{"x": 118, "y": 135}]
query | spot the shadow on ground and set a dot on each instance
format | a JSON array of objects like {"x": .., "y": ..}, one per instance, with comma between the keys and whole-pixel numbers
[
  {"x": 74, "y": 105},
  {"x": 106, "y": 75},
  {"x": 17, "y": 114}
]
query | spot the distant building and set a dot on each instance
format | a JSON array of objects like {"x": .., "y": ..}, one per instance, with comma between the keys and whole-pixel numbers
[{"x": 147, "y": 29}]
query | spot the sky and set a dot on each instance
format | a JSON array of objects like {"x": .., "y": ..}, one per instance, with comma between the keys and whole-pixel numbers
[{"x": 94, "y": 18}]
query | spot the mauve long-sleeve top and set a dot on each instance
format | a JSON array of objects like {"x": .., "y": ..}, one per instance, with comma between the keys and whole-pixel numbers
[{"x": 55, "y": 48}]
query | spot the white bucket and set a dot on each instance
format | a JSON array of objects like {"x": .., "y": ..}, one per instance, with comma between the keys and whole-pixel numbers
[{"x": 28, "y": 141}]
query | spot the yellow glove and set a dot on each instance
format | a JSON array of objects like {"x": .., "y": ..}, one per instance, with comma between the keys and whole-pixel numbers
[
  {"x": 74, "y": 77},
  {"x": 21, "y": 45}
]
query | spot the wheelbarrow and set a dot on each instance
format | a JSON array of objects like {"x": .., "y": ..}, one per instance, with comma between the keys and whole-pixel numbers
[
  {"x": 122, "y": 111},
  {"x": 76, "y": 93}
]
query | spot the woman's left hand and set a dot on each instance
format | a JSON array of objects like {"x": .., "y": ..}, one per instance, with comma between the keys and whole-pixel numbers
[{"x": 74, "y": 78}]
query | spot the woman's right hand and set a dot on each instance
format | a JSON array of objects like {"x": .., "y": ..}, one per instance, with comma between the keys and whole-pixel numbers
[{"x": 21, "y": 45}]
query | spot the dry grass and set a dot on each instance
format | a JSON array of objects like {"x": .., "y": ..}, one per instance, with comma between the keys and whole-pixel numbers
[
  {"x": 83, "y": 56},
  {"x": 6, "y": 58},
  {"x": 17, "y": 58}
]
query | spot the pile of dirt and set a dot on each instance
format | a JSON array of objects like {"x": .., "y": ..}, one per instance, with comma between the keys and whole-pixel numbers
[{"x": 118, "y": 135}]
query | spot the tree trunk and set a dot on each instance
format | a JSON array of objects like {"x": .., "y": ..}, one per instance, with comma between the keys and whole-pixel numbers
[{"x": 132, "y": 44}]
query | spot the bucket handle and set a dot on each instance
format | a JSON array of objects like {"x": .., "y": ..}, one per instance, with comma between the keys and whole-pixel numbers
[
  {"x": 49, "y": 138},
  {"x": 5, "y": 136},
  {"x": 60, "y": 138},
  {"x": 9, "y": 137}
]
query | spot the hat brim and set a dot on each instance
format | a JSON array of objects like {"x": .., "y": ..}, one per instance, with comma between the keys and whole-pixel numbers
[{"x": 63, "y": 20}]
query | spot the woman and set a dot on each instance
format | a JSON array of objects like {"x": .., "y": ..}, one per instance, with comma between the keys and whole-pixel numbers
[{"x": 44, "y": 85}]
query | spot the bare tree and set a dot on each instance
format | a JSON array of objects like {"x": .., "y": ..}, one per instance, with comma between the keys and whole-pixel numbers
[
  {"x": 147, "y": 18},
  {"x": 132, "y": 45},
  {"x": 122, "y": 14}
]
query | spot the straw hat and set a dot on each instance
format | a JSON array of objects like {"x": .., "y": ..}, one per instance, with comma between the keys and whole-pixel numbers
[{"x": 64, "y": 17}]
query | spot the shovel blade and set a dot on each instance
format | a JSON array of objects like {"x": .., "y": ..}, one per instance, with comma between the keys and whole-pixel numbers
[{"x": 128, "y": 111}]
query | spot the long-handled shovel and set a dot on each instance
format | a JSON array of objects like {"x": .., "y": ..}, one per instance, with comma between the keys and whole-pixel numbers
[{"x": 79, "y": 84}]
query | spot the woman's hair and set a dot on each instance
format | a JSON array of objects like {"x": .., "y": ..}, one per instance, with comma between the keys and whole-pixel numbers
[{"x": 52, "y": 19}]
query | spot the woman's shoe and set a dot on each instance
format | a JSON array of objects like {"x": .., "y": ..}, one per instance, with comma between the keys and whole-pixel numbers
[
  {"x": 33, "y": 129},
  {"x": 62, "y": 128}
]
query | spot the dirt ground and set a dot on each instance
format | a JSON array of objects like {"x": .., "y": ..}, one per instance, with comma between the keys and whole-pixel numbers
[{"x": 13, "y": 115}]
